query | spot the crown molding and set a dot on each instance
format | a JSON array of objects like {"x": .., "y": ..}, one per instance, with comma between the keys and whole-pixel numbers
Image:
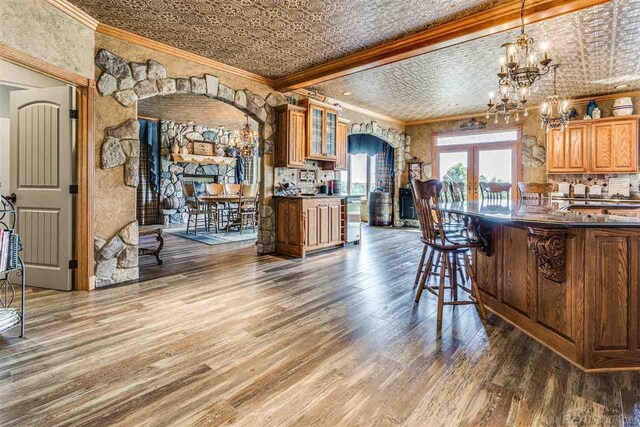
[
  {"x": 165, "y": 48},
  {"x": 577, "y": 101},
  {"x": 354, "y": 108},
  {"x": 491, "y": 21},
  {"x": 75, "y": 12}
]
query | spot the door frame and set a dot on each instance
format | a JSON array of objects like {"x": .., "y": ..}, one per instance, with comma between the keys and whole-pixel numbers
[
  {"x": 472, "y": 155},
  {"x": 84, "y": 277}
]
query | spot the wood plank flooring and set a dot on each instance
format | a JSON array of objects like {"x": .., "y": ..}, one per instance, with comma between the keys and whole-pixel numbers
[{"x": 227, "y": 337}]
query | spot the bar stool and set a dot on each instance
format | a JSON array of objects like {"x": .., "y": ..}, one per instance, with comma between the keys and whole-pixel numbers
[
  {"x": 534, "y": 192},
  {"x": 450, "y": 251},
  {"x": 494, "y": 190}
]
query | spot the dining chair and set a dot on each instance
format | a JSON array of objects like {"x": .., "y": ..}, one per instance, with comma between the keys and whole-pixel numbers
[
  {"x": 450, "y": 251},
  {"x": 215, "y": 208},
  {"x": 247, "y": 210},
  {"x": 534, "y": 192},
  {"x": 195, "y": 208},
  {"x": 495, "y": 191}
]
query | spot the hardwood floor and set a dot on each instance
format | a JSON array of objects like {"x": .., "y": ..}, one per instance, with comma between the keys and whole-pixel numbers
[{"x": 331, "y": 340}]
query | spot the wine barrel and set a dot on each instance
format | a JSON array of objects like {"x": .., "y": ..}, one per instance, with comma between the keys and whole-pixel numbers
[
  {"x": 380, "y": 208},
  {"x": 173, "y": 202}
]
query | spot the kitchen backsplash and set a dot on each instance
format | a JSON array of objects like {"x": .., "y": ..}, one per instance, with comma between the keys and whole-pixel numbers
[
  {"x": 291, "y": 175},
  {"x": 599, "y": 179}
]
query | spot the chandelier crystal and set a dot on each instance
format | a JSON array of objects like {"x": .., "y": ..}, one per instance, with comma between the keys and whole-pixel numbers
[
  {"x": 554, "y": 112},
  {"x": 520, "y": 69}
]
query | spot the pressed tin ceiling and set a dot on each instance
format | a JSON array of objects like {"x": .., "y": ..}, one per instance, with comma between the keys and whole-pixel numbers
[
  {"x": 599, "y": 49},
  {"x": 274, "y": 38}
]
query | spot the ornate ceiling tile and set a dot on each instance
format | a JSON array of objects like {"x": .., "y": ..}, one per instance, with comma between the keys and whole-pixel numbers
[
  {"x": 597, "y": 47},
  {"x": 274, "y": 38}
]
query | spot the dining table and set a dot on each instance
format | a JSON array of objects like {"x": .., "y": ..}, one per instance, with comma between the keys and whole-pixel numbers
[{"x": 216, "y": 200}]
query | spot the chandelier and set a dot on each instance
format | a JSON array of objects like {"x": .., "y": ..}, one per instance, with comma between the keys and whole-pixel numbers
[
  {"x": 554, "y": 112},
  {"x": 520, "y": 69},
  {"x": 247, "y": 139}
]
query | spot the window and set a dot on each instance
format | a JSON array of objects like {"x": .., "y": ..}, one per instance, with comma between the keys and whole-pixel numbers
[
  {"x": 373, "y": 182},
  {"x": 361, "y": 174},
  {"x": 510, "y": 135}
]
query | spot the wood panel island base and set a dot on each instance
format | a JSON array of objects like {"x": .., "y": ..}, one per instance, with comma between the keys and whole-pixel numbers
[{"x": 569, "y": 280}]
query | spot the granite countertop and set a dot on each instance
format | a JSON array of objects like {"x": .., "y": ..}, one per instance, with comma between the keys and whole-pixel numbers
[
  {"x": 318, "y": 196},
  {"x": 554, "y": 214},
  {"x": 595, "y": 201}
]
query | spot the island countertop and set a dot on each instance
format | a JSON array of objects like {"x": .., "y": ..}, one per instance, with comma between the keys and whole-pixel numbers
[{"x": 552, "y": 214}]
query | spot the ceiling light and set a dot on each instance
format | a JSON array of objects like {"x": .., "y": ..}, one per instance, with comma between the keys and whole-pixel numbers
[
  {"x": 620, "y": 86},
  {"x": 554, "y": 111},
  {"x": 346, "y": 93}
]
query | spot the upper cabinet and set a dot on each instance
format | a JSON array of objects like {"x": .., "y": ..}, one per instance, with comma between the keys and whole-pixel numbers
[
  {"x": 567, "y": 150},
  {"x": 596, "y": 146},
  {"x": 291, "y": 136},
  {"x": 341, "y": 144},
  {"x": 322, "y": 127},
  {"x": 615, "y": 146}
]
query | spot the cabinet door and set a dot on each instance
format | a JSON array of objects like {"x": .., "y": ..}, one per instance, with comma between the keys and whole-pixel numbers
[
  {"x": 335, "y": 223},
  {"x": 556, "y": 152},
  {"x": 575, "y": 141},
  {"x": 323, "y": 224},
  {"x": 602, "y": 147},
  {"x": 311, "y": 226},
  {"x": 625, "y": 146},
  {"x": 341, "y": 147},
  {"x": 297, "y": 138},
  {"x": 331, "y": 134},
  {"x": 316, "y": 132}
]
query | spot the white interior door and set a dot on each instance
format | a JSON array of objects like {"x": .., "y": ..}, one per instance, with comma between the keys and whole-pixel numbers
[{"x": 42, "y": 167}]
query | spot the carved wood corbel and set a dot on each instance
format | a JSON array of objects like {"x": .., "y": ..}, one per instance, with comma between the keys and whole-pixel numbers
[{"x": 549, "y": 246}]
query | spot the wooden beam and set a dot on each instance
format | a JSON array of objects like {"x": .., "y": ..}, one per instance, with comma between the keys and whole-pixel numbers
[
  {"x": 75, "y": 12},
  {"x": 165, "y": 48},
  {"x": 491, "y": 21}
]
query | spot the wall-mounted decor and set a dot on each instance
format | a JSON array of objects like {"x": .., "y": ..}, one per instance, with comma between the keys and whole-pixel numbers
[
  {"x": 203, "y": 148},
  {"x": 473, "y": 124},
  {"x": 414, "y": 169},
  {"x": 307, "y": 175}
]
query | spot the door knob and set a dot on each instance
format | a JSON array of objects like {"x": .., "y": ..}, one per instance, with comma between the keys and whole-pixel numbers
[{"x": 12, "y": 198}]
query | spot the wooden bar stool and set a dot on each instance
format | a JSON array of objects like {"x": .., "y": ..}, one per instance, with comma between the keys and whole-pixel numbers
[
  {"x": 534, "y": 192},
  {"x": 448, "y": 251},
  {"x": 494, "y": 191}
]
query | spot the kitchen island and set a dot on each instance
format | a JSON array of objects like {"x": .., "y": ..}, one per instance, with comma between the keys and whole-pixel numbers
[
  {"x": 566, "y": 276},
  {"x": 309, "y": 223}
]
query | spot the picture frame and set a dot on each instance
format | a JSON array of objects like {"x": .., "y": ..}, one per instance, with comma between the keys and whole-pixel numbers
[{"x": 414, "y": 169}]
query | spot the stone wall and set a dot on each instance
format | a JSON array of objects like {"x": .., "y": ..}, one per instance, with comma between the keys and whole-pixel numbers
[{"x": 117, "y": 258}]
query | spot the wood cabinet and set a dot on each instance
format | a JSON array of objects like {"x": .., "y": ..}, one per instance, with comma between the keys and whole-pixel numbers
[
  {"x": 341, "y": 144},
  {"x": 305, "y": 225},
  {"x": 615, "y": 146},
  {"x": 322, "y": 130},
  {"x": 291, "y": 136},
  {"x": 594, "y": 146},
  {"x": 567, "y": 150}
]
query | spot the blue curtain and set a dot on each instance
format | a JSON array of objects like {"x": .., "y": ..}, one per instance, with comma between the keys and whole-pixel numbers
[
  {"x": 149, "y": 136},
  {"x": 371, "y": 145}
]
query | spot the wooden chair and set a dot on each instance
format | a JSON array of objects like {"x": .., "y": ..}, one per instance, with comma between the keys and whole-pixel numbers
[
  {"x": 534, "y": 193},
  {"x": 494, "y": 190},
  {"x": 449, "y": 251},
  {"x": 215, "y": 215},
  {"x": 195, "y": 207},
  {"x": 247, "y": 211}
]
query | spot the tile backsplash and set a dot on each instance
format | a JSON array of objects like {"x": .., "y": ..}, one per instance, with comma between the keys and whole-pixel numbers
[
  {"x": 292, "y": 175},
  {"x": 599, "y": 179}
]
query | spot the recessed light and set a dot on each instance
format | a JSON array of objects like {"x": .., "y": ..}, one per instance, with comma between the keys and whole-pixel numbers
[
  {"x": 620, "y": 86},
  {"x": 346, "y": 93}
]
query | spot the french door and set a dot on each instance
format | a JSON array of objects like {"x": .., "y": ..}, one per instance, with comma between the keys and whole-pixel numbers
[{"x": 473, "y": 158}]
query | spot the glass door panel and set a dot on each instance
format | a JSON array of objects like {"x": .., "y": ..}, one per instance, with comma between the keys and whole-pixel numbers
[
  {"x": 497, "y": 165},
  {"x": 317, "y": 123},
  {"x": 453, "y": 166},
  {"x": 332, "y": 127}
]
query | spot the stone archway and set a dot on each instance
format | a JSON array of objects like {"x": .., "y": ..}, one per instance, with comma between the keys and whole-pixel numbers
[
  {"x": 129, "y": 82},
  {"x": 401, "y": 142}
]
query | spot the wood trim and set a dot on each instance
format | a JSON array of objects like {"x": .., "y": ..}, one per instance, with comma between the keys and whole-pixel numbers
[
  {"x": 164, "y": 48},
  {"x": 39, "y": 66},
  {"x": 491, "y": 21},
  {"x": 154, "y": 119},
  {"x": 75, "y": 12},
  {"x": 584, "y": 100},
  {"x": 84, "y": 275}
]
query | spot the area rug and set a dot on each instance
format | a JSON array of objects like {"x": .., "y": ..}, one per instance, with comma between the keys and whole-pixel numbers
[{"x": 212, "y": 239}]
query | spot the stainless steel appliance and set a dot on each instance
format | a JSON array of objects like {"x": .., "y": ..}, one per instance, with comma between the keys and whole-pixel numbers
[{"x": 352, "y": 205}]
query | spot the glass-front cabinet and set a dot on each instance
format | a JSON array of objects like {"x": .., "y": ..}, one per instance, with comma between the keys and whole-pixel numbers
[{"x": 322, "y": 128}]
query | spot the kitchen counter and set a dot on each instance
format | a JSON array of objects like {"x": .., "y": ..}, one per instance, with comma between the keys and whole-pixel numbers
[
  {"x": 554, "y": 214},
  {"x": 318, "y": 196},
  {"x": 568, "y": 279}
]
